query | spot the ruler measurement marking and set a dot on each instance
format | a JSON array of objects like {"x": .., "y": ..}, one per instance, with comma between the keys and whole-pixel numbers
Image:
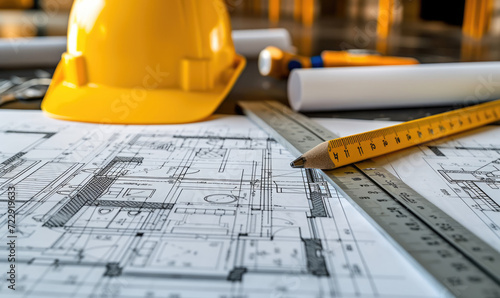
[
  {"x": 298, "y": 123},
  {"x": 446, "y": 223},
  {"x": 436, "y": 127},
  {"x": 401, "y": 215}
]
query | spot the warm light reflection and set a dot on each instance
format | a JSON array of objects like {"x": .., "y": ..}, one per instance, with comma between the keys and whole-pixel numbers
[
  {"x": 385, "y": 17},
  {"x": 477, "y": 18},
  {"x": 474, "y": 50},
  {"x": 72, "y": 39},
  {"x": 215, "y": 39},
  {"x": 16, "y": 4},
  {"x": 274, "y": 10},
  {"x": 16, "y": 30},
  {"x": 16, "y": 24},
  {"x": 88, "y": 11}
]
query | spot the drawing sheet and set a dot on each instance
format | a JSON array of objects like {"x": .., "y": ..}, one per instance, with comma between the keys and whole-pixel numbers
[
  {"x": 460, "y": 174},
  {"x": 209, "y": 209}
]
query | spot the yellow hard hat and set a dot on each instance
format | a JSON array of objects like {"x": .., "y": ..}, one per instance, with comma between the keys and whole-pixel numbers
[{"x": 144, "y": 62}]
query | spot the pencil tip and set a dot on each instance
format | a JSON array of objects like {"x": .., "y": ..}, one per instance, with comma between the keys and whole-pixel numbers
[{"x": 298, "y": 163}]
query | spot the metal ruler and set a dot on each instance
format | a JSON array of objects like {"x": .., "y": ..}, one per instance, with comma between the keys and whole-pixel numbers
[{"x": 451, "y": 256}]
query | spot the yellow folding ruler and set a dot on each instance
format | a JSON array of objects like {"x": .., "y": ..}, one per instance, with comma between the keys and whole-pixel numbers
[
  {"x": 358, "y": 147},
  {"x": 447, "y": 253}
]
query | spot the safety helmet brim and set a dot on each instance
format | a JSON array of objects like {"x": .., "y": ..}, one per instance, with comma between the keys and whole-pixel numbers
[{"x": 107, "y": 104}]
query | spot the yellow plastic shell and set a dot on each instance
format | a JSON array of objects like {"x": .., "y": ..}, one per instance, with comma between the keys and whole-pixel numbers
[{"x": 144, "y": 62}]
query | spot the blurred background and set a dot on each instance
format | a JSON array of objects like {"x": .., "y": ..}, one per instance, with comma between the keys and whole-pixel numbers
[
  {"x": 433, "y": 31},
  {"x": 429, "y": 30}
]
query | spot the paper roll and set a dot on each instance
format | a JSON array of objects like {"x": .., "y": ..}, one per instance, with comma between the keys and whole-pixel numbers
[
  {"x": 393, "y": 86},
  {"x": 32, "y": 51},
  {"x": 250, "y": 43},
  {"x": 47, "y": 51}
]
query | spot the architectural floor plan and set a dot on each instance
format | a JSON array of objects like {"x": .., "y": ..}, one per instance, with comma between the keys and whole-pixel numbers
[
  {"x": 461, "y": 175},
  {"x": 208, "y": 209}
]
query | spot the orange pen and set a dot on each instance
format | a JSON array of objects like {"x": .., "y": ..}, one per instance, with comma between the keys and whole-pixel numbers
[{"x": 277, "y": 63}]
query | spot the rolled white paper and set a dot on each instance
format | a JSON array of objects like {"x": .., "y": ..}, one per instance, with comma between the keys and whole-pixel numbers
[
  {"x": 349, "y": 88},
  {"x": 32, "y": 51},
  {"x": 47, "y": 51},
  {"x": 250, "y": 43}
]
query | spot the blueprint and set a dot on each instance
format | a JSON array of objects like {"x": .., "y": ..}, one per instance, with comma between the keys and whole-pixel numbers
[
  {"x": 208, "y": 209},
  {"x": 461, "y": 175}
]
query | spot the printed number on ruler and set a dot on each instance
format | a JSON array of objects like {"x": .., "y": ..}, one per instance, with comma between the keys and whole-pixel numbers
[{"x": 366, "y": 145}]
